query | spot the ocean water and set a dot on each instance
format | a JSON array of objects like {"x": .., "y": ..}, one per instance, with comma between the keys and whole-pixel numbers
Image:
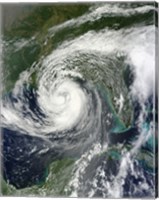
[{"x": 78, "y": 113}]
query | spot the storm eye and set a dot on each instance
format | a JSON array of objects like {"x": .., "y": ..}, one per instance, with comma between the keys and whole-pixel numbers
[{"x": 78, "y": 104}]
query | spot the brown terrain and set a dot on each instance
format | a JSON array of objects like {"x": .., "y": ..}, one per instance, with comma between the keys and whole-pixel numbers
[{"x": 11, "y": 13}]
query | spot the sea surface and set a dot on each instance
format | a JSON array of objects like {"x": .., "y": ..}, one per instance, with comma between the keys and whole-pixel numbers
[{"x": 79, "y": 113}]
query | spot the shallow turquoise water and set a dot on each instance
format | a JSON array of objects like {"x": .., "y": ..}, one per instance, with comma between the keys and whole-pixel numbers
[{"x": 78, "y": 102}]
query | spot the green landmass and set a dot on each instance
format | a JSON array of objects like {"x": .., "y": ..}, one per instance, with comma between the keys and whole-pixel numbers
[
  {"x": 58, "y": 177},
  {"x": 33, "y": 30}
]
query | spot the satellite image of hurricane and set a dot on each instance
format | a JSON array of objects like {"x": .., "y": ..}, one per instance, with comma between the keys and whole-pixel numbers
[{"x": 79, "y": 102}]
